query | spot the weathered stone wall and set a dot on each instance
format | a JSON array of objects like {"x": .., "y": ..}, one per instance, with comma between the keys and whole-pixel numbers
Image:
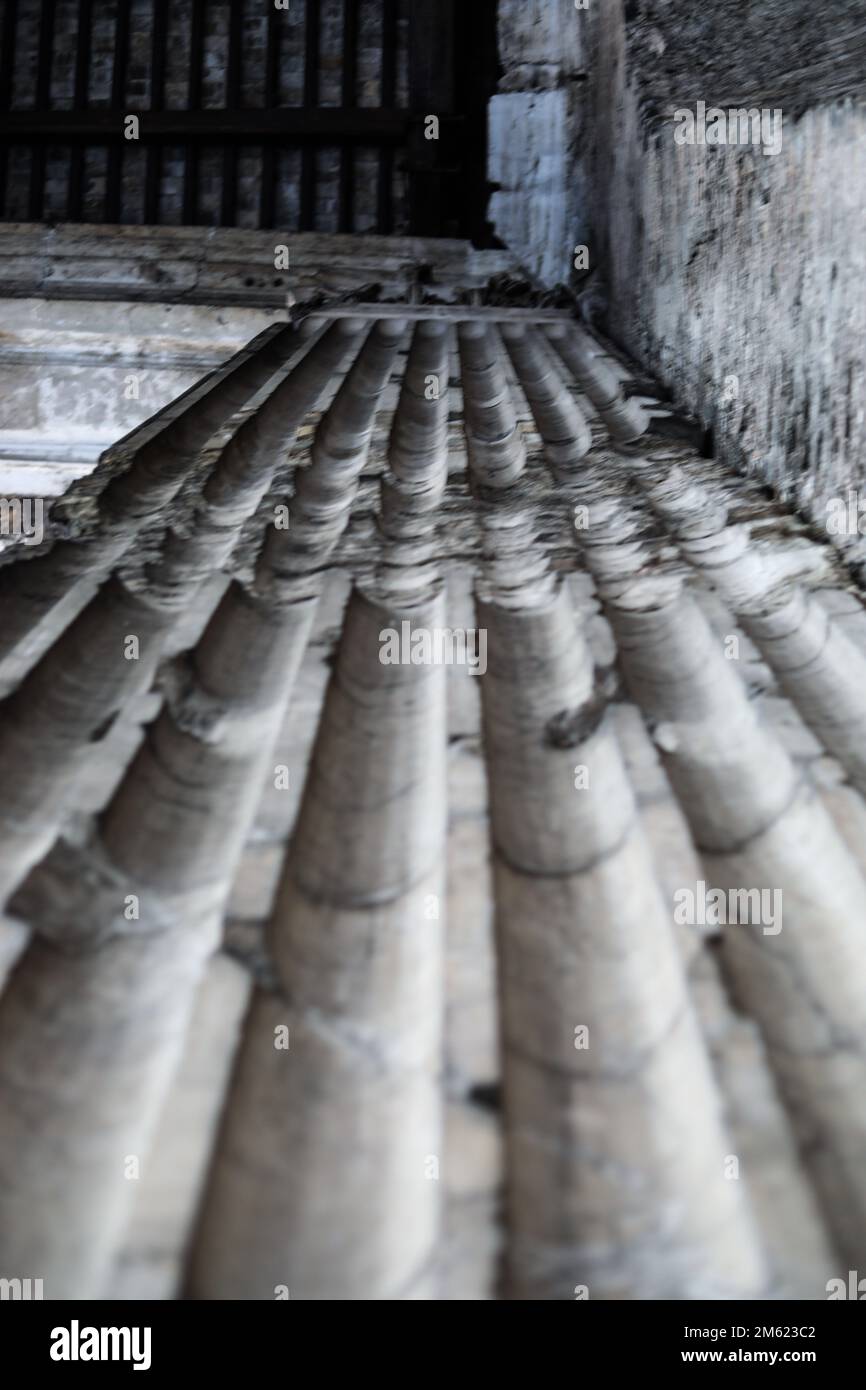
[
  {"x": 75, "y": 376},
  {"x": 737, "y": 276},
  {"x": 536, "y": 131}
]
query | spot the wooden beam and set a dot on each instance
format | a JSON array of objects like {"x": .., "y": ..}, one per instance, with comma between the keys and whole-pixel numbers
[
  {"x": 448, "y": 313},
  {"x": 44, "y": 55},
  {"x": 295, "y": 124},
  {"x": 120, "y": 61},
  {"x": 153, "y": 171},
  {"x": 82, "y": 54},
  {"x": 432, "y": 91},
  {"x": 271, "y": 97},
  {"x": 191, "y": 153},
  {"x": 43, "y": 99},
  {"x": 7, "y": 70},
  {"x": 228, "y": 205},
  {"x": 79, "y": 102},
  {"x": 312, "y": 21},
  {"x": 346, "y": 191},
  {"x": 7, "y": 52},
  {"x": 384, "y": 193},
  {"x": 476, "y": 78}
]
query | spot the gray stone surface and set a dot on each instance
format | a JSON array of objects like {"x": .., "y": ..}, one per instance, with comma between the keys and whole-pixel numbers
[
  {"x": 540, "y": 206},
  {"x": 736, "y": 275},
  {"x": 98, "y": 335}
]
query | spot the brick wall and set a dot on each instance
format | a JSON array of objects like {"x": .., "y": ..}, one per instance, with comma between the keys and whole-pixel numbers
[{"x": 213, "y": 58}]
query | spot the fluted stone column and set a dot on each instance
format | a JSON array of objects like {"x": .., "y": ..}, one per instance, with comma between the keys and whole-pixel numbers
[{"x": 325, "y": 1178}]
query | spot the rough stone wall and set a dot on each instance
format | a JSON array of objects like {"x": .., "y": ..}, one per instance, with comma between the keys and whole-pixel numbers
[
  {"x": 213, "y": 67},
  {"x": 76, "y": 376},
  {"x": 737, "y": 276},
  {"x": 536, "y": 129}
]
